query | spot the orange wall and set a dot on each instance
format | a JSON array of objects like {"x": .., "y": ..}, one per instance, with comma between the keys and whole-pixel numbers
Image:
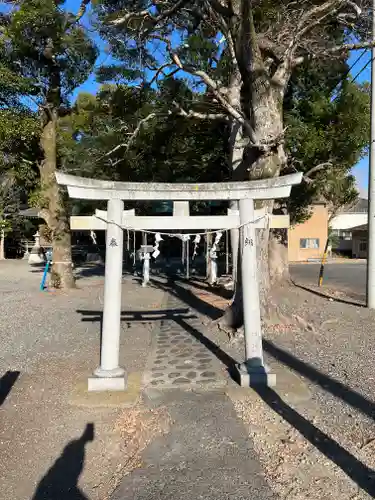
[{"x": 315, "y": 227}]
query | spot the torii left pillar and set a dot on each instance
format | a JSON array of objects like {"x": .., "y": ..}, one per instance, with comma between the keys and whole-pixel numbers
[{"x": 110, "y": 376}]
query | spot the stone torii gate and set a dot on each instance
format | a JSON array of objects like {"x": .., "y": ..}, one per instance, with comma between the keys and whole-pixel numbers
[{"x": 110, "y": 376}]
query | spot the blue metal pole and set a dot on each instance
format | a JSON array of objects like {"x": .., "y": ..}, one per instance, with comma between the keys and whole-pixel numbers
[{"x": 44, "y": 279}]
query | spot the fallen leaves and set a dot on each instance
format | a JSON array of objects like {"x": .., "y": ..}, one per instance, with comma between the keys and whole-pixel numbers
[{"x": 137, "y": 428}]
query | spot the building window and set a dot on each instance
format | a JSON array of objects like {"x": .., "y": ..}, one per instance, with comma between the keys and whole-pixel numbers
[
  {"x": 363, "y": 246},
  {"x": 342, "y": 234},
  {"x": 345, "y": 235},
  {"x": 309, "y": 243}
]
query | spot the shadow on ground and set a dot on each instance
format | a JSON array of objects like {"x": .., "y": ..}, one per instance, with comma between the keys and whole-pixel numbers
[
  {"x": 326, "y": 382},
  {"x": 137, "y": 316},
  {"x": 61, "y": 480},
  {"x": 327, "y": 296},
  {"x": 203, "y": 285},
  {"x": 7, "y": 382},
  {"x": 90, "y": 270},
  {"x": 362, "y": 475},
  {"x": 37, "y": 268},
  {"x": 84, "y": 271},
  {"x": 187, "y": 296}
]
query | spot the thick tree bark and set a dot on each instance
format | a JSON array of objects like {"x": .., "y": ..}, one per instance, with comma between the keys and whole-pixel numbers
[
  {"x": 272, "y": 265},
  {"x": 257, "y": 89},
  {"x": 278, "y": 256},
  {"x": 236, "y": 149},
  {"x": 54, "y": 211}
]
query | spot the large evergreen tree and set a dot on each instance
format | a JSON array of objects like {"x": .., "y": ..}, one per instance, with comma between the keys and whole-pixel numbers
[
  {"x": 243, "y": 54},
  {"x": 53, "y": 53}
]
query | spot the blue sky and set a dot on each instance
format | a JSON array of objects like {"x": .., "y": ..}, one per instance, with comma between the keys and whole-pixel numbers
[
  {"x": 361, "y": 169},
  {"x": 90, "y": 85}
]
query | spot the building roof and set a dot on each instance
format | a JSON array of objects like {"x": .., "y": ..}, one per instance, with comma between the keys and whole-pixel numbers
[
  {"x": 361, "y": 206},
  {"x": 363, "y": 227}
]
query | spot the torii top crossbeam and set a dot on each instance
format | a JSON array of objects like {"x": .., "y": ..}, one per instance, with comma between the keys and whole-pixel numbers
[{"x": 94, "y": 189}]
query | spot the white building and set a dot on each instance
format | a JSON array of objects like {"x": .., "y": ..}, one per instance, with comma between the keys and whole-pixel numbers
[{"x": 345, "y": 221}]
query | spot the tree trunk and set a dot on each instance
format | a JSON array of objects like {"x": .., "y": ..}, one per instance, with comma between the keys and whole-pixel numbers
[
  {"x": 272, "y": 265},
  {"x": 54, "y": 211},
  {"x": 278, "y": 256},
  {"x": 236, "y": 149},
  {"x": 257, "y": 88}
]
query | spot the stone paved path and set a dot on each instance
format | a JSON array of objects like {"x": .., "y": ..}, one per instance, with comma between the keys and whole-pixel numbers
[{"x": 179, "y": 359}]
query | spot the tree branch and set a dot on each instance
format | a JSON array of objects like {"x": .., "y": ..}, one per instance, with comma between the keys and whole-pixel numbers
[
  {"x": 137, "y": 130},
  {"x": 237, "y": 115},
  {"x": 199, "y": 115},
  {"x": 319, "y": 11},
  {"x": 314, "y": 17},
  {"x": 158, "y": 71},
  {"x": 211, "y": 84},
  {"x": 317, "y": 168},
  {"x": 132, "y": 138},
  {"x": 82, "y": 10},
  {"x": 346, "y": 47},
  {"x": 316, "y": 14},
  {"x": 147, "y": 14},
  {"x": 221, "y": 9},
  {"x": 132, "y": 15},
  {"x": 350, "y": 46}
]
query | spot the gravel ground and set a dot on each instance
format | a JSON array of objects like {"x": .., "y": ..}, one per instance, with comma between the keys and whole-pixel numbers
[
  {"x": 52, "y": 339},
  {"x": 333, "y": 353},
  {"x": 315, "y": 433}
]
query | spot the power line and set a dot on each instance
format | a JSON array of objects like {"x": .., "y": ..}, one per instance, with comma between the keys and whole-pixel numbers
[
  {"x": 356, "y": 61},
  {"x": 361, "y": 70},
  {"x": 370, "y": 289},
  {"x": 337, "y": 87}
]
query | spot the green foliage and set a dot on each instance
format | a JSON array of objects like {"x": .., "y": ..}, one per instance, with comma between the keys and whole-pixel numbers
[
  {"x": 325, "y": 126},
  {"x": 167, "y": 148},
  {"x": 41, "y": 34},
  {"x": 171, "y": 149},
  {"x": 333, "y": 239},
  {"x": 44, "y": 55},
  {"x": 5, "y": 226},
  {"x": 11, "y": 195},
  {"x": 19, "y": 134}
]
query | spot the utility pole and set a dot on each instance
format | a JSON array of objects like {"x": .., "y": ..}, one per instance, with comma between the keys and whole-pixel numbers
[{"x": 371, "y": 185}]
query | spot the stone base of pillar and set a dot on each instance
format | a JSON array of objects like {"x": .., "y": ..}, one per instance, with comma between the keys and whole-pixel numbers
[
  {"x": 254, "y": 376},
  {"x": 108, "y": 380},
  {"x": 106, "y": 384}
]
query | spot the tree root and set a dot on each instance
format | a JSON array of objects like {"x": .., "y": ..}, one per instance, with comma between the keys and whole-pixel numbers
[
  {"x": 229, "y": 331},
  {"x": 272, "y": 319}
]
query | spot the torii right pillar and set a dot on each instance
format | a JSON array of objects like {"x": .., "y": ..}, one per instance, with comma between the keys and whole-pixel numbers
[{"x": 253, "y": 371}]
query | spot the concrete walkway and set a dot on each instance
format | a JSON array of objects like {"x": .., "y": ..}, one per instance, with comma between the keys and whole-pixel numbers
[{"x": 206, "y": 455}]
